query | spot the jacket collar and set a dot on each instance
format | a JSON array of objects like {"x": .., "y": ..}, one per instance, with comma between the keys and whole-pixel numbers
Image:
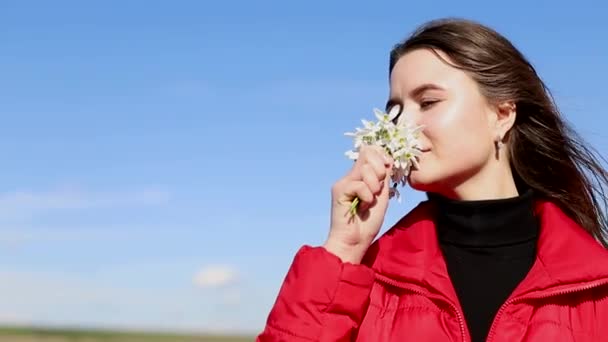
[{"x": 566, "y": 254}]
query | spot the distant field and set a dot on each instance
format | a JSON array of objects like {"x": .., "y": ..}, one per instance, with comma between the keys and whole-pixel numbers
[{"x": 52, "y": 335}]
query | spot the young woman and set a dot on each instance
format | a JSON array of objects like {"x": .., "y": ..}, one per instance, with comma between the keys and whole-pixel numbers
[{"x": 511, "y": 243}]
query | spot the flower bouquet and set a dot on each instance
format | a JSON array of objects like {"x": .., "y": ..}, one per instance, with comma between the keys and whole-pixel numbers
[{"x": 399, "y": 138}]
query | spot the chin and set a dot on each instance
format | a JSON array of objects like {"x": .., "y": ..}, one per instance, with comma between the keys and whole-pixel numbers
[
  {"x": 417, "y": 181},
  {"x": 425, "y": 181}
]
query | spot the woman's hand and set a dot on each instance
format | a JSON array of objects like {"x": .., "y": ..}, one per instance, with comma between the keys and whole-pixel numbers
[{"x": 350, "y": 236}]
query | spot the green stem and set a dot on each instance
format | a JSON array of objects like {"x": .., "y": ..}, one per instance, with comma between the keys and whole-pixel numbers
[{"x": 353, "y": 207}]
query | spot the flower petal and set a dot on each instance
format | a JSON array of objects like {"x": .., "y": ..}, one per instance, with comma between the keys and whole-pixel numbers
[
  {"x": 379, "y": 114},
  {"x": 352, "y": 155},
  {"x": 394, "y": 111}
]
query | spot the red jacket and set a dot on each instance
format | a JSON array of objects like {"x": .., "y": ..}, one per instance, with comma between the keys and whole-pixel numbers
[{"x": 402, "y": 291}]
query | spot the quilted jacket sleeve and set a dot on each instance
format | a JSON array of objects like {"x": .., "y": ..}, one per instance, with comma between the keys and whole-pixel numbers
[{"x": 321, "y": 299}]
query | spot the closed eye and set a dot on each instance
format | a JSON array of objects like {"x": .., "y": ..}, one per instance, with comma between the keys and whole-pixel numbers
[{"x": 426, "y": 104}]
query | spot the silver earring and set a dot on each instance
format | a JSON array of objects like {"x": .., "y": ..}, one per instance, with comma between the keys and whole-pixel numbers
[{"x": 499, "y": 144}]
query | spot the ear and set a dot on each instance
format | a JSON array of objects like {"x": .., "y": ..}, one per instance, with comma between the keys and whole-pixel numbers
[{"x": 504, "y": 118}]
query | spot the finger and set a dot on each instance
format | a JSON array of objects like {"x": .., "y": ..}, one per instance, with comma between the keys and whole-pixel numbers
[
  {"x": 358, "y": 189},
  {"x": 386, "y": 185},
  {"x": 376, "y": 161},
  {"x": 373, "y": 155},
  {"x": 381, "y": 152},
  {"x": 355, "y": 172},
  {"x": 371, "y": 178},
  {"x": 364, "y": 206}
]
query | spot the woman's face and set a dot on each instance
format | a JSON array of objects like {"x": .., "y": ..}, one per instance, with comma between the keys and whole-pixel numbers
[{"x": 458, "y": 139}]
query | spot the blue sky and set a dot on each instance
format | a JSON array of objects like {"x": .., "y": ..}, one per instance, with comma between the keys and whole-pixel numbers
[{"x": 164, "y": 160}]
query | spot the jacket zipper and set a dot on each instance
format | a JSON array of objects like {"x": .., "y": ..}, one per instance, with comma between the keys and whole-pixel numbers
[
  {"x": 428, "y": 295},
  {"x": 541, "y": 296}
]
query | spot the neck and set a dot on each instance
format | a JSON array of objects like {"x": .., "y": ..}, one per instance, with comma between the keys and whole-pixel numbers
[{"x": 495, "y": 182}]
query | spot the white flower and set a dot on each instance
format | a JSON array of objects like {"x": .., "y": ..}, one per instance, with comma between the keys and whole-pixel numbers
[{"x": 399, "y": 140}]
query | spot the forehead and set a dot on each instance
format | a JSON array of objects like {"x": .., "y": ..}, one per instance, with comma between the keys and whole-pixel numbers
[{"x": 423, "y": 66}]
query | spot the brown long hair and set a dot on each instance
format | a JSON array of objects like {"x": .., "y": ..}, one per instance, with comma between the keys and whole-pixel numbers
[{"x": 546, "y": 154}]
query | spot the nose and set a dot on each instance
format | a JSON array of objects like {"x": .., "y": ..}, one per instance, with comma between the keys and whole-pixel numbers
[
  {"x": 417, "y": 119},
  {"x": 413, "y": 115}
]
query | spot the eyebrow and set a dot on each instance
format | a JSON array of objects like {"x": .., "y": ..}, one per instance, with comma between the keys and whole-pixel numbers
[
  {"x": 414, "y": 93},
  {"x": 422, "y": 88}
]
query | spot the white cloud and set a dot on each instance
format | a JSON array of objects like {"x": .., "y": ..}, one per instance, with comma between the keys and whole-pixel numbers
[
  {"x": 30, "y": 202},
  {"x": 69, "y": 300},
  {"x": 216, "y": 276},
  {"x": 16, "y": 237}
]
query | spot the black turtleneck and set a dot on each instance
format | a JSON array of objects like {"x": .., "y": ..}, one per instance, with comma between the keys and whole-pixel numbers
[{"x": 489, "y": 247}]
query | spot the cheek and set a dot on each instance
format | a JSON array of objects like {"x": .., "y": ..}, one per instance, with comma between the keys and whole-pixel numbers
[
  {"x": 459, "y": 141},
  {"x": 457, "y": 126},
  {"x": 455, "y": 119}
]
